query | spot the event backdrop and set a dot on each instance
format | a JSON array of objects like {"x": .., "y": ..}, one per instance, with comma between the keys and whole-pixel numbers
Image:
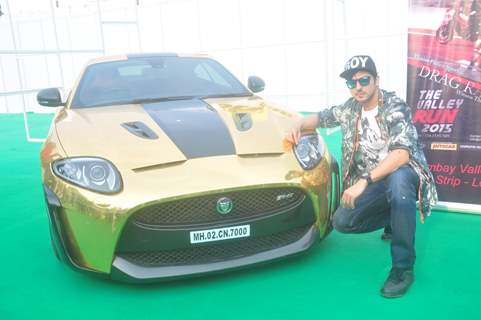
[{"x": 444, "y": 92}]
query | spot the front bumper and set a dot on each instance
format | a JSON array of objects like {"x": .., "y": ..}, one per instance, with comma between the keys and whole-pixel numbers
[
  {"x": 281, "y": 233},
  {"x": 151, "y": 249},
  {"x": 126, "y": 271}
]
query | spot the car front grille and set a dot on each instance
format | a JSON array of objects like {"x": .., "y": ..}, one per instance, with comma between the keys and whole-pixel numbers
[
  {"x": 219, "y": 252},
  {"x": 203, "y": 209}
]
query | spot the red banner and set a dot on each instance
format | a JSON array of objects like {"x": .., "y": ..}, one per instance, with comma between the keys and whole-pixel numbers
[{"x": 444, "y": 92}]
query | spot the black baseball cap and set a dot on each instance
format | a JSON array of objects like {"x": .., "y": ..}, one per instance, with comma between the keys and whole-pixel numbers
[{"x": 358, "y": 63}]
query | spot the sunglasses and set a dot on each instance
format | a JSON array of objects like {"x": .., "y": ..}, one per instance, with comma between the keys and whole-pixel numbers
[{"x": 364, "y": 81}]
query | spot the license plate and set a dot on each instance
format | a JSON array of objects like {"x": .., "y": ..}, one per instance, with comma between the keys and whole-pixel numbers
[{"x": 220, "y": 234}]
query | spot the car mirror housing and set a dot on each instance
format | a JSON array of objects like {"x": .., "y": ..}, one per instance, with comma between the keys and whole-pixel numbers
[
  {"x": 256, "y": 84},
  {"x": 50, "y": 98}
]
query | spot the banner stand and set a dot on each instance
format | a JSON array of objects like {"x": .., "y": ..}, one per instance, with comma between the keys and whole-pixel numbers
[
  {"x": 444, "y": 93},
  {"x": 458, "y": 207}
]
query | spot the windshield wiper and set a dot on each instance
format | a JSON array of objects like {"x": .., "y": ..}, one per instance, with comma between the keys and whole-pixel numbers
[
  {"x": 227, "y": 95},
  {"x": 172, "y": 98},
  {"x": 141, "y": 100},
  {"x": 157, "y": 99}
]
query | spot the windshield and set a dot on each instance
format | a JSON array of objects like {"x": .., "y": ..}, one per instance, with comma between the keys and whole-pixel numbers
[{"x": 146, "y": 79}]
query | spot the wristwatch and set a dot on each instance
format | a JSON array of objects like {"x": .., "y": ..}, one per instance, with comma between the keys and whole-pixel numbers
[{"x": 367, "y": 176}]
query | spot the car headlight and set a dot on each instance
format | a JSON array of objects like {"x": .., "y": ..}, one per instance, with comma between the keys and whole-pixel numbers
[
  {"x": 309, "y": 151},
  {"x": 91, "y": 173}
]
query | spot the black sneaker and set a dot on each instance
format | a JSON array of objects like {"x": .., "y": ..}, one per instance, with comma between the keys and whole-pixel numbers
[
  {"x": 387, "y": 234},
  {"x": 397, "y": 283}
]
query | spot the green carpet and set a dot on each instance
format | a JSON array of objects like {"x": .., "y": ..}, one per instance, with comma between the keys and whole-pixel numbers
[{"x": 339, "y": 279}]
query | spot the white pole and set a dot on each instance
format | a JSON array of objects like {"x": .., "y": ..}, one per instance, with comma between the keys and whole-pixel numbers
[
  {"x": 137, "y": 3},
  {"x": 57, "y": 44},
  {"x": 19, "y": 75},
  {"x": 102, "y": 39},
  {"x": 329, "y": 25}
]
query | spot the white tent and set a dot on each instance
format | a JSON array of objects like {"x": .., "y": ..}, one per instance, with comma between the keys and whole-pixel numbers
[{"x": 297, "y": 46}]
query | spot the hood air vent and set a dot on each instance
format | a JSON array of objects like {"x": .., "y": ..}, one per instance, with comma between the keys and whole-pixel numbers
[{"x": 140, "y": 130}]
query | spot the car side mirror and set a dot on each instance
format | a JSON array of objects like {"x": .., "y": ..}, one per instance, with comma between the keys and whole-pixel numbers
[
  {"x": 50, "y": 98},
  {"x": 256, "y": 84}
]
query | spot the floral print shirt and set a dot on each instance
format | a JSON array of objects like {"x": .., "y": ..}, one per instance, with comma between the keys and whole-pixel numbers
[{"x": 394, "y": 119}]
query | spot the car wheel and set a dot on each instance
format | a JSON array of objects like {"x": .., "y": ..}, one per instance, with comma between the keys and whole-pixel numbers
[{"x": 442, "y": 34}]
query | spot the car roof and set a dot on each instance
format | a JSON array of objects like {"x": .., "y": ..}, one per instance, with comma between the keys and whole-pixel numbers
[{"x": 143, "y": 55}]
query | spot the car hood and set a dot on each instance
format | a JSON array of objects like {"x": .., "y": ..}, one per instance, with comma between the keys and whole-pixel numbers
[{"x": 142, "y": 135}]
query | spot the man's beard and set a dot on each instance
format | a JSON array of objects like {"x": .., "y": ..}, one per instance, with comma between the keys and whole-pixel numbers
[{"x": 364, "y": 97}]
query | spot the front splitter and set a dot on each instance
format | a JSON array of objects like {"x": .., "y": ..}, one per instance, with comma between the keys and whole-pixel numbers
[{"x": 126, "y": 271}]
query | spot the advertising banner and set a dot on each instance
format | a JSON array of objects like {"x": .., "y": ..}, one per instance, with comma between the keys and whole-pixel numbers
[{"x": 444, "y": 92}]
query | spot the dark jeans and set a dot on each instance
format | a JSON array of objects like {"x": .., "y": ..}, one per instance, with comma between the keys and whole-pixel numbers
[{"x": 390, "y": 201}]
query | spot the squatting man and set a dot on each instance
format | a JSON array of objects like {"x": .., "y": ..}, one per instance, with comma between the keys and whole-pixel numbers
[{"x": 384, "y": 170}]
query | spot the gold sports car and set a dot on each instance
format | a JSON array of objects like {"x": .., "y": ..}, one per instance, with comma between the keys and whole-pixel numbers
[{"x": 160, "y": 166}]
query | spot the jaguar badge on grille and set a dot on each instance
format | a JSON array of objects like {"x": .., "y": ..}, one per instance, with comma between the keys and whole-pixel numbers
[{"x": 224, "y": 205}]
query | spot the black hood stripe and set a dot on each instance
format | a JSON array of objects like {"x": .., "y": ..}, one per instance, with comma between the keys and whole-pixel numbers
[{"x": 194, "y": 126}]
